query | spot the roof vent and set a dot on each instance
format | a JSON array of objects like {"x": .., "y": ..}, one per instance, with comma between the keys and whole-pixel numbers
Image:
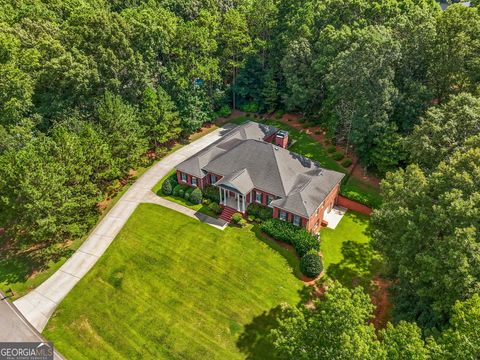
[{"x": 276, "y": 148}]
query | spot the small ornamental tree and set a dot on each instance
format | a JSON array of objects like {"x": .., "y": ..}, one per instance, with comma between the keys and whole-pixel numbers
[
  {"x": 237, "y": 217},
  {"x": 311, "y": 265},
  {"x": 196, "y": 196},
  {"x": 167, "y": 187}
]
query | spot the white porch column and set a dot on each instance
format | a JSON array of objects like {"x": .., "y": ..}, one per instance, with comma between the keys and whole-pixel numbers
[
  {"x": 238, "y": 201},
  {"x": 224, "y": 197},
  {"x": 220, "y": 192},
  {"x": 243, "y": 203}
]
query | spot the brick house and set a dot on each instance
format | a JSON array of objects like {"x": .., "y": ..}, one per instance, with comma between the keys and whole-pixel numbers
[{"x": 251, "y": 164}]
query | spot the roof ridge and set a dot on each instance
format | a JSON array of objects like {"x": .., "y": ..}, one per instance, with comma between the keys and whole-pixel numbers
[
  {"x": 274, "y": 149},
  {"x": 239, "y": 172}
]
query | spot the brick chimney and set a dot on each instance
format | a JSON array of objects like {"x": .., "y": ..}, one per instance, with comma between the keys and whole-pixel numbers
[{"x": 281, "y": 139}]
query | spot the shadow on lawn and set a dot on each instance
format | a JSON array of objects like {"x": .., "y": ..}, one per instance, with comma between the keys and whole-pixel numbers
[
  {"x": 285, "y": 250},
  {"x": 255, "y": 340},
  {"x": 359, "y": 263},
  {"x": 17, "y": 266}
]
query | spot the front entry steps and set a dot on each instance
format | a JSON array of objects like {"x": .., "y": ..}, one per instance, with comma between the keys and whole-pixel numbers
[{"x": 227, "y": 214}]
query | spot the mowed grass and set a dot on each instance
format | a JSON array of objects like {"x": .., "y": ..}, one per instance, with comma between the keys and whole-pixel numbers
[
  {"x": 348, "y": 255},
  {"x": 170, "y": 287}
]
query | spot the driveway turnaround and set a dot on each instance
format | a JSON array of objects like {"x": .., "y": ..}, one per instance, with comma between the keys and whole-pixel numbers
[
  {"x": 39, "y": 304},
  {"x": 15, "y": 328}
]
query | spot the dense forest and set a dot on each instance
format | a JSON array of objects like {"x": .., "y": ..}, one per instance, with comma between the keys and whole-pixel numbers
[{"x": 87, "y": 87}]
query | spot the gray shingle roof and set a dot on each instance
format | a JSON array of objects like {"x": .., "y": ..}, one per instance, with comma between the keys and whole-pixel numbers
[{"x": 246, "y": 161}]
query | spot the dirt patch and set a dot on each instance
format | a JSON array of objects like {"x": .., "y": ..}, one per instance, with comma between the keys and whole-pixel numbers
[
  {"x": 380, "y": 297},
  {"x": 102, "y": 205}
]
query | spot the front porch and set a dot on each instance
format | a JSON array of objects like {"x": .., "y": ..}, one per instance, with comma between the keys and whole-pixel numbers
[{"x": 233, "y": 199}]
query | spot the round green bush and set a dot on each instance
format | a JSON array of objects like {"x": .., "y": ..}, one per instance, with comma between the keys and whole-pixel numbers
[
  {"x": 196, "y": 196},
  {"x": 311, "y": 265},
  {"x": 347, "y": 162},
  {"x": 338, "y": 156},
  {"x": 167, "y": 187},
  {"x": 237, "y": 217},
  {"x": 181, "y": 192},
  {"x": 215, "y": 208},
  {"x": 176, "y": 190},
  {"x": 331, "y": 149}
]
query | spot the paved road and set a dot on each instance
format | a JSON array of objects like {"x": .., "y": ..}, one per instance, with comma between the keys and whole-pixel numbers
[
  {"x": 38, "y": 305},
  {"x": 15, "y": 328}
]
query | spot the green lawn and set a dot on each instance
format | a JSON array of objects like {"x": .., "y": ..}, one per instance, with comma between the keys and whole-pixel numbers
[
  {"x": 347, "y": 253},
  {"x": 312, "y": 149},
  {"x": 157, "y": 189},
  {"x": 170, "y": 287}
]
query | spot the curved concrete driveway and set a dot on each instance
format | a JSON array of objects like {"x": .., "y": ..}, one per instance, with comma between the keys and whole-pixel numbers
[{"x": 38, "y": 305}]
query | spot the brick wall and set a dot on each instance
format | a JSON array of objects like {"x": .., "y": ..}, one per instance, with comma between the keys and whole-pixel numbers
[
  {"x": 315, "y": 221},
  {"x": 353, "y": 205},
  {"x": 201, "y": 182}
]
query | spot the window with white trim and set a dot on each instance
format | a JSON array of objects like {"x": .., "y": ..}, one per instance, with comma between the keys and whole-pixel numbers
[
  {"x": 258, "y": 197},
  {"x": 282, "y": 215},
  {"x": 183, "y": 177},
  {"x": 296, "y": 220},
  {"x": 269, "y": 199},
  {"x": 194, "y": 181},
  {"x": 213, "y": 179}
]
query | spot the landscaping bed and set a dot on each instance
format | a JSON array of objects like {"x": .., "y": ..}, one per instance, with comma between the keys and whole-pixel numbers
[{"x": 204, "y": 207}]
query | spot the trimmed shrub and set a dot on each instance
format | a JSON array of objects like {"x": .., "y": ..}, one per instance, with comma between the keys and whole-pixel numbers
[
  {"x": 242, "y": 222},
  {"x": 176, "y": 190},
  {"x": 181, "y": 192},
  {"x": 196, "y": 196},
  {"x": 167, "y": 188},
  {"x": 215, "y": 208},
  {"x": 280, "y": 230},
  {"x": 362, "y": 198},
  {"x": 206, "y": 202},
  {"x": 260, "y": 211},
  {"x": 173, "y": 179},
  {"x": 338, "y": 156},
  {"x": 237, "y": 217},
  {"x": 251, "y": 218},
  {"x": 331, "y": 149},
  {"x": 304, "y": 242},
  {"x": 301, "y": 239},
  {"x": 188, "y": 192},
  {"x": 311, "y": 265},
  {"x": 224, "y": 111},
  {"x": 211, "y": 192},
  {"x": 347, "y": 162}
]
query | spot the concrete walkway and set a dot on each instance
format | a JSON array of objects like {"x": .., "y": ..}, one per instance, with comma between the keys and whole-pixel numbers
[
  {"x": 154, "y": 199},
  {"x": 38, "y": 305},
  {"x": 15, "y": 328}
]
